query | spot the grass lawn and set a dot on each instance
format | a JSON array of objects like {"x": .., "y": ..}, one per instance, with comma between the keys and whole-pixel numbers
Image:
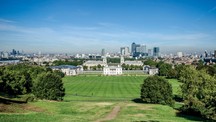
[
  {"x": 102, "y": 87},
  {"x": 107, "y": 87},
  {"x": 89, "y": 98}
]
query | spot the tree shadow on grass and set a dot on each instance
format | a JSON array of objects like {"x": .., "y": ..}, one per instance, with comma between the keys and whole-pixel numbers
[
  {"x": 138, "y": 100},
  {"x": 192, "y": 117},
  {"x": 178, "y": 114}
]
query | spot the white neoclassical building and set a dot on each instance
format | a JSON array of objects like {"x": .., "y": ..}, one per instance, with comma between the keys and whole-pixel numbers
[
  {"x": 91, "y": 63},
  {"x": 135, "y": 63},
  {"x": 112, "y": 70},
  {"x": 68, "y": 69}
]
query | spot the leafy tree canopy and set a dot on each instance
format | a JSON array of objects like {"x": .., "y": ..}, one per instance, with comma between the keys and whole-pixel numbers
[
  {"x": 49, "y": 86},
  {"x": 156, "y": 89}
]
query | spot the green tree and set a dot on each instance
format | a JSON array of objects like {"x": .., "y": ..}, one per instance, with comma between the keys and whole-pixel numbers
[
  {"x": 99, "y": 67},
  {"x": 211, "y": 70},
  {"x": 49, "y": 86},
  {"x": 60, "y": 73},
  {"x": 156, "y": 89},
  {"x": 164, "y": 69},
  {"x": 85, "y": 67},
  {"x": 150, "y": 62},
  {"x": 172, "y": 73},
  {"x": 123, "y": 66},
  {"x": 199, "y": 92},
  {"x": 15, "y": 82}
]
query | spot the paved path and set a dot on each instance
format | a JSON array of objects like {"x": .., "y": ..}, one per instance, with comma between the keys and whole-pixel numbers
[{"x": 111, "y": 115}]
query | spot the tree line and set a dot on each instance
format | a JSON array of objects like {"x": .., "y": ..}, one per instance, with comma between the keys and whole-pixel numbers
[
  {"x": 198, "y": 89},
  {"x": 23, "y": 79},
  {"x": 173, "y": 71}
]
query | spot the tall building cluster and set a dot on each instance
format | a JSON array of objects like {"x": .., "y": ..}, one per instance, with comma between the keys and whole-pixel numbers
[
  {"x": 6, "y": 55},
  {"x": 139, "y": 50},
  {"x": 125, "y": 51}
]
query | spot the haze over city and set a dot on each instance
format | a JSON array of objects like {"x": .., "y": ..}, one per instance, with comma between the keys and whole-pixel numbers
[{"x": 87, "y": 26}]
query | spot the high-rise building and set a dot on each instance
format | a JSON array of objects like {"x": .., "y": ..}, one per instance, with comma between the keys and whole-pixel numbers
[
  {"x": 103, "y": 53},
  {"x": 206, "y": 53},
  {"x": 138, "y": 49},
  {"x": 215, "y": 53},
  {"x": 125, "y": 51},
  {"x": 149, "y": 52},
  {"x": 133, "y": 48},
  {"x": 156, "y": 51},
  {"x": 142, "y": 48},
  {"x": 13, "y": 52}
]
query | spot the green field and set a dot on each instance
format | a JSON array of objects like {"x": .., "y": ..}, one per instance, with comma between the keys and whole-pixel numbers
[
  {"x": 106, "y": 87},
  {"x": 92, "y": 98},
  {"x": 102, "y": 87}
]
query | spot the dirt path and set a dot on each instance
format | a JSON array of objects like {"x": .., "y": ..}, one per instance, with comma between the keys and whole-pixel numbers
[{"x": 111, "y": 115}]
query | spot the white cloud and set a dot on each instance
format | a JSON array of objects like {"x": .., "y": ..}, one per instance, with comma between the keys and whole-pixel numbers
[
  {"x": 6, "y": 21},
  {"x": 76, "y": 38}
]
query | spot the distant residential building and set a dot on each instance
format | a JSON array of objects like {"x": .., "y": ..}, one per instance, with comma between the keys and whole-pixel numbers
[
  {"x": 9, "y": 62},
  {"x": 150, "y": 70},
  {"x": 68, "y": 69},
  {"x": 156, "y": 51},
  {"x": 153, "y": 71},
  {"x": 179, "y": 54},
  {"x": 112, "y": 70},
  {"x": 77, "y": 56},
  {"x": 125, "y": 51}
]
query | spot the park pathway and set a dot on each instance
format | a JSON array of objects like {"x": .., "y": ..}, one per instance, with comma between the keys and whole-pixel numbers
[{"x": 111, "y": 115}]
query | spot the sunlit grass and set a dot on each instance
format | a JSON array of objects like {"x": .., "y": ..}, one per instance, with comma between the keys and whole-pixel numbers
[{"x": 89, "y": 98}]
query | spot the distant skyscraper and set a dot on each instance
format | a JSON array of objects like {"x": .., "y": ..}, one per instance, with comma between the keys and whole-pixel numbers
[
  {"x": 125, "y": 51},
  {"x": 133, "y": 48},
  {"x": 149, "y": 52},
  {"x": 156, "y": 51},
  {"x": 13, "y": 52},
  {"x": 215, "y": 53},
  {"x": 103, "y": 53},
  {"x": 143, "y": 49},
  {"x": 138, "y": 49},
  {"x": 206, "y": 53}
]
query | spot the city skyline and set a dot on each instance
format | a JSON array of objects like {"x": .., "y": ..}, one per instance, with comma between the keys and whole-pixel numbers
[{"x": 88, "y": 26}]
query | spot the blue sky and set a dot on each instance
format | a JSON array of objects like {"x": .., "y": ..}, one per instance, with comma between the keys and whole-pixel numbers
[{"x": 87, "y": 26}]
